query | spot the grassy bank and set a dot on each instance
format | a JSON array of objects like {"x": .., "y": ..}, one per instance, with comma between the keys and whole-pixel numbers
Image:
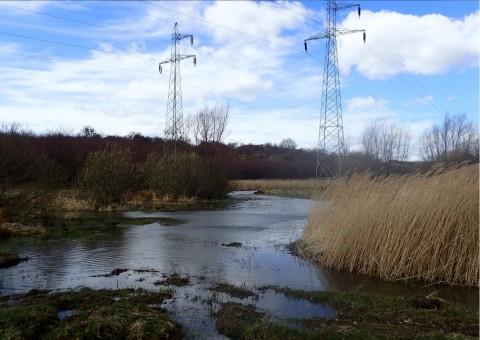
[
  {"x": 87, "y": 314},
  {"x": 302, "y": 188},
  {"x": 357, "y": 316},
  {"x": 422, "y": 227},
  {"x": 138, "y": 314}
]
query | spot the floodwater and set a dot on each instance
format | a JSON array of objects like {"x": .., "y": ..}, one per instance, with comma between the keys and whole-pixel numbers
[{"x": 196, "y": 244}]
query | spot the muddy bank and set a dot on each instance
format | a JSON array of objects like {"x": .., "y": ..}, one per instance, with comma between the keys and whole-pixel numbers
[{"x": 8, "y": 259}]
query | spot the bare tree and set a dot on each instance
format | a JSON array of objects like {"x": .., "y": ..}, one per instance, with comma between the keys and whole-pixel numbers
[
  {"x": 454, "y": 140},
  {"x": 386, "y": 142},
  {"x": 209, "y": 125},
  {"x": 288, "y": 143}
]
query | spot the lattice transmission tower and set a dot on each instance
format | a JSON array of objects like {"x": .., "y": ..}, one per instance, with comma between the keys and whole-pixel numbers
[
  {"x": 174, "y": 117},
  {"x": 330, "y": 137}
]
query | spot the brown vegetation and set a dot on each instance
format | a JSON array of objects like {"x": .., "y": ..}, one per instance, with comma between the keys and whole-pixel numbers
[
  {"x": 290, "y": 187},
  {"x": 17, "y": 229},
  {"x": 423, "y": 226}
]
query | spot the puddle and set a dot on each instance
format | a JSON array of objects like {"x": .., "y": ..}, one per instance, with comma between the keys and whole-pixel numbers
[{"x": 66, "y": 314}]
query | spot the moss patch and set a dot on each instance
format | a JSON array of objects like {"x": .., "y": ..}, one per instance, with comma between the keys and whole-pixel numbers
[{"x": 106, "y": 314}]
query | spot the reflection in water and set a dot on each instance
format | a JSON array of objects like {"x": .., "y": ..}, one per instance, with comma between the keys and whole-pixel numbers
[{"x": 193, "y": 247}]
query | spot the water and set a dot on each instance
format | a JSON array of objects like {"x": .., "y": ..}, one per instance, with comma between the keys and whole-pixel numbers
[{"x": 196, "y": 247}]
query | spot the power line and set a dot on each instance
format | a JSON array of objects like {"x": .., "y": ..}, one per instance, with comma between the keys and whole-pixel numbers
[
  {"x": 282, "y": 5},
  {"x": 221, "y": 26},
  {"x": 74, "y": 62},
  {"x": 152, "y": 37},
  {"x": 82, "y": 22},
  {"x": 284, "y": 14},
  {"x": 385, "y": 45},
  {"x": 76, "y": 46}
]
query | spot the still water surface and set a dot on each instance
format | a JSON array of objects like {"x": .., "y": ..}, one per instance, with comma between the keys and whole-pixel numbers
[{"x": 193, "y": 244}]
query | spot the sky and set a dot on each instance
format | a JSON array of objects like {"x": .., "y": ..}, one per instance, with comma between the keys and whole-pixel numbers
[{"x": 65, "y": 65}]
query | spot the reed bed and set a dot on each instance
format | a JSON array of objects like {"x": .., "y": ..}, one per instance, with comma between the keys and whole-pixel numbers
[
  {"x": 422, "y": 226},
  {"x": 287, "y": 187}
]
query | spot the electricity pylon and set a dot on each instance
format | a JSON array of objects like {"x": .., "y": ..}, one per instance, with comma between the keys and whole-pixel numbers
[
  {"x": 174, "y": 117},
  {"x": 330, "y": 136}
]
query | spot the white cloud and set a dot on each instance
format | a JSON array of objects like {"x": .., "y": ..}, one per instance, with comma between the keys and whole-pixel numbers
[
  {"x": 427, "y": 100},
  {"x": 399, "y": 43},
  {"x": 274, "y": 91}
]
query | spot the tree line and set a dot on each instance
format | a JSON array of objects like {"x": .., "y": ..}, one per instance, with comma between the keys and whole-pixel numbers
[{"x": 106, "y": 168}]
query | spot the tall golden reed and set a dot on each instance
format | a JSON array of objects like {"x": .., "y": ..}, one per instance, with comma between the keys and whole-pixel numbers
[{"x": 422, "y": 226}]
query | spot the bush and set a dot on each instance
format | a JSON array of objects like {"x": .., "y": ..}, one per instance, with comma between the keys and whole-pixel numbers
[
  {"x": 175, "y": 175},
  {"x": 107, "y": 175},
  {"x": 186, "y": 175},
  {"x": 27, "y": 176}
]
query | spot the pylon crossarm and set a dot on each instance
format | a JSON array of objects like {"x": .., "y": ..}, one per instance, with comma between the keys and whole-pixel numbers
[
  {"x": 177, "y": 58},
  {"x": 344, "y": 31},
  {"x": 321, "y": 35},
  {"x": 341, "y": 7},
  {"x": 183, "y": 36}
]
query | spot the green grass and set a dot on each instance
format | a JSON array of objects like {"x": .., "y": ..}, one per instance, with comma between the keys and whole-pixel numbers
[
  {"x": 234, "y": 291},
  {"x": 358, "y": 316},
  {"x": 105, "y": 314}
]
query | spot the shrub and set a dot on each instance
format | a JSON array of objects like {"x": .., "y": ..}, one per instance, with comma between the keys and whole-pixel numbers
[
  {"x": 27, "y": 176},
  {"x": 107, "y": 174},
  {"x": 175, "y": 175},
  {"x": 186, "y": 175}
]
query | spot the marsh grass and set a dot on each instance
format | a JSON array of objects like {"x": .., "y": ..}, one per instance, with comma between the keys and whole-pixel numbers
[
  {"x": 358, "y": 316},
  {"x": 240, "y": 292},
  {"x": 422, "y": 227},
  {"x": 101, "y": 314},
  {"x": 281, "y": 187}
]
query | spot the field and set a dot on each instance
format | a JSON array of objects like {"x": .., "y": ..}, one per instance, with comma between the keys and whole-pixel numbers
[{"x": 422, "y": 227}]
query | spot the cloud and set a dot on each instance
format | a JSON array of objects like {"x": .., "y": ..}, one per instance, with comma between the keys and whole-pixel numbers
[
  {"x": 366, "y": 103},
  {"x": 399, "y": 43},
  {"x": 274, "y": 91},
  {"x": 427, "y": 100}
]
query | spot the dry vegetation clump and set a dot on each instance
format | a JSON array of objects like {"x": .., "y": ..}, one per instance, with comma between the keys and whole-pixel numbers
[
  {"x": 290, "y": 187},
  {"x": 17, "y": 229},
  {"x": 69, "y": 201},
  {"x": 423, "y": 226}
]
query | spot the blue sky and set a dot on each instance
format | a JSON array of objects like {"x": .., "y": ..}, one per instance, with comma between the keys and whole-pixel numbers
[{"x": 65, "y": 65}]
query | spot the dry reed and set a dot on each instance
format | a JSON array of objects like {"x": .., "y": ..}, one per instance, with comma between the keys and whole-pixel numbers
[
  {"x": 423, "y": 226},
  {"x": 294, "y": 187}
]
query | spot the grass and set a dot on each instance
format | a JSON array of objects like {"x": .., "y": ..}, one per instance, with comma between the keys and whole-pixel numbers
[
  {"x": 234, "y": 291},
  {"x": 105, "y": 314},
  {"x": 358, "y": 316},
  {"x": 174, "y": 280},
  {"x": 301, "y": 188},
  {"x": 422, "y": 227},
  {"x": 17, "y": 229}
]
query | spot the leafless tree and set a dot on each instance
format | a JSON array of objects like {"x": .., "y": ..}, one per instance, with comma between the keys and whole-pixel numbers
[
  {"x": 454, "y": 140},
  {"x": 209, "y": 125},
  {"x": 386, "y": 142},
  {"x": 288, "y": 143}
]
